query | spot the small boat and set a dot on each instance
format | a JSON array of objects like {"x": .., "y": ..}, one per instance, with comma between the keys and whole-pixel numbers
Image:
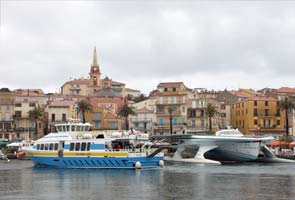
[
  {"x": 15, "y": 150},
  {"x": 75, "y": 146}
]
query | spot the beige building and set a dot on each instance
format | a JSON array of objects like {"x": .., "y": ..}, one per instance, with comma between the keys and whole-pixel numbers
[
  {"x": 6, "y": 114},
  {"x": 144, "y": 118},
  {"x": 26, "y": 100},
  {"x": 60, "y": 112},
  {"x": 197, "y": 121},
  {"x": 171, "y": 95}
]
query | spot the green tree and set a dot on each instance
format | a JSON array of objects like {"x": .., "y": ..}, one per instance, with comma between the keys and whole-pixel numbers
[
  {"x": 83, "y": 108},
  {"x": 171, "y": 111},
  {"x": 36, "y": 114},
  {"x": 286, "y": 104},
  {"x": 210, "y": 112},
  {"x": 140, "y": 98},
  {"x": 124, "y": 112}
]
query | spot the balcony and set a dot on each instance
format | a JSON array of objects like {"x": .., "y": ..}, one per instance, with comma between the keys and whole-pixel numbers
[
  {"x": 140, "y": 119},
  {"x": 172, "y": 102},
  {"x": 165, "y": 125},
  {"x": 163, "y": 113}
]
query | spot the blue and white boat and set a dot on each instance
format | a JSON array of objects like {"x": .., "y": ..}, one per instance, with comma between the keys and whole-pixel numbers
[{"x": 75, "y": 146}]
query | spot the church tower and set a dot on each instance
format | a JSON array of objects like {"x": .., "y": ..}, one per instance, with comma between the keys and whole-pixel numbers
[{"x": 94, "y": 84}]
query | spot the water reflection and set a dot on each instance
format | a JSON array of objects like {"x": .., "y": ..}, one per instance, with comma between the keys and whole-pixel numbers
[{"x": 246, "y": 181}]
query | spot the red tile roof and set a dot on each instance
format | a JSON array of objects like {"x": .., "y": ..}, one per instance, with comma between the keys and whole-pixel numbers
[
  {"x": 143, "y": 110},
  {"x": 286, "y": 90},
  {"x": 29, "y": 92},
  {"x": 65, "y": 103},
  {"x": 170, "y": 84}
]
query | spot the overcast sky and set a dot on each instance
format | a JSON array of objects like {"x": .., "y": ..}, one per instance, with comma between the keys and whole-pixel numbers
[{"x": 210, "y": 44}]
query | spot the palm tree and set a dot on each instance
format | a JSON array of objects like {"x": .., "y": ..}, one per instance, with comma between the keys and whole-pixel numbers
[
  {"x": 286, "y": 104},
  {"x": 170, "y": 111},
  {"x": 124, "y": 112},
  {"x": 35, "y": 114},
  {"x": 83, "y": 108},
  {"x": 210, "y": 112}
]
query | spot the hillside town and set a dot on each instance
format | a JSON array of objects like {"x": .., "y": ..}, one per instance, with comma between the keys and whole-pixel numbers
[{"x": 31, "y": 113}]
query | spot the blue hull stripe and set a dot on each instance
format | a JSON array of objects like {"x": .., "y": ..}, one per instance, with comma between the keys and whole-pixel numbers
[{"x": 96, "y": 162}]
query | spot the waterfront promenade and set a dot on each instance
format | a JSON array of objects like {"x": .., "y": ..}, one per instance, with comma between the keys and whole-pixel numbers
[{"x": 19, "y": 180}]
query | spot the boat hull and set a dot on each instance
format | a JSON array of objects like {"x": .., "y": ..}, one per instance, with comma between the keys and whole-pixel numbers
[{"x": 97, "y": 162}]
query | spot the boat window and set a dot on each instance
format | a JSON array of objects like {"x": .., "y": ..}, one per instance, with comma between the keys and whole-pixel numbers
[
  {"x": 77, "y": 147},
  {"x": 46, "y": 147},
  {"x": 82, "y": 128},
  {"x": 51, "y": 146},
  {"x": 38, "y": 146},
  {"x": 83, "y": 146},
  {"x": 88, "y": 146},
  {"x": 78, "y": 128},
  {"x": 72, "y": 146},
  {"x": 73, "y": 128},
  {"x": 55, "y": 146},
  {"x": 42, "y": 147},
  {"x": 68, "y": 128}
]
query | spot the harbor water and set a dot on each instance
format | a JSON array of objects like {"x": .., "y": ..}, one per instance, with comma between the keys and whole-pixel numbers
[{"x": 19, "y": 180}]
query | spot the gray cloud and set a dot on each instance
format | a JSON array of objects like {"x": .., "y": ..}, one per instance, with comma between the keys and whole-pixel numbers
[{"x": 205, "y": 44}]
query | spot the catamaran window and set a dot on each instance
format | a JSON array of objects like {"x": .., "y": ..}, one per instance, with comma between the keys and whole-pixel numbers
[
  {"x": 38, "y": 146},
  {"x": 78, "y": 128},
  {"x": 55, "y": 146},
  {"x": 46, "y": 147},
  {"x": 51, "y": 146},
  {"x": 72, "y": 146},
  {"x": 77, "y": 147},
  {"x": 73, "y": 128},
  {"x": 83, "y": 146},
  {"x": 88, "y": 146},
  {"x": 42, "y": 147},
  {"x": 68, "y": 128}
]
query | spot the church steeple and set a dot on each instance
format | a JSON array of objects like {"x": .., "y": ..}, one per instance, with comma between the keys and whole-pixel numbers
[
  {"x": 94, "y": 84},
  {"x": 94, "y": 63}
]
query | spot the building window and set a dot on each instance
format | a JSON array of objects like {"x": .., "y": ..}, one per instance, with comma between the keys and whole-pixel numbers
[
  {"x": 165, "y": 89},
  {"x": 64, "y": 117},
  {"x": 183, "y": 99},
  {"x": 32, "y": 104},
  {"x": 96, "y": 125},
  {"x": 18, "y": 105},
  {"x": 174, "y": 121},
  {"x": 183, "y": 108},
  {"x": 169, "y": 100},
  {"x": 278, "y": 113},
  {"x": 161, "y": 121},
  {"x": 7, "y": 116},
  {"x": 174, "y": 100},
  {"x": 53, "y": 117},
  {"x": 183, "y": 121},
  {"x": 278, "y": 122},
  {"x": 113, "y": 124},
  {"x": 96, "y": 116},
  {"x": 174, "y": 89},
  {"x": 255, "y": 121},
  {"x": 161, "y": 100},
  {"x": 266, "y": 123},
  {"x": 255, "y": 103},
  {"x": 266, "y": 112},
  {"x": 194, "y": 104},
  {"x": 266, "y": 103},
  {"x": 246, "y": 111},
  {"x": 18, "y": 113},
  {"x": 255, "y": 112}
]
